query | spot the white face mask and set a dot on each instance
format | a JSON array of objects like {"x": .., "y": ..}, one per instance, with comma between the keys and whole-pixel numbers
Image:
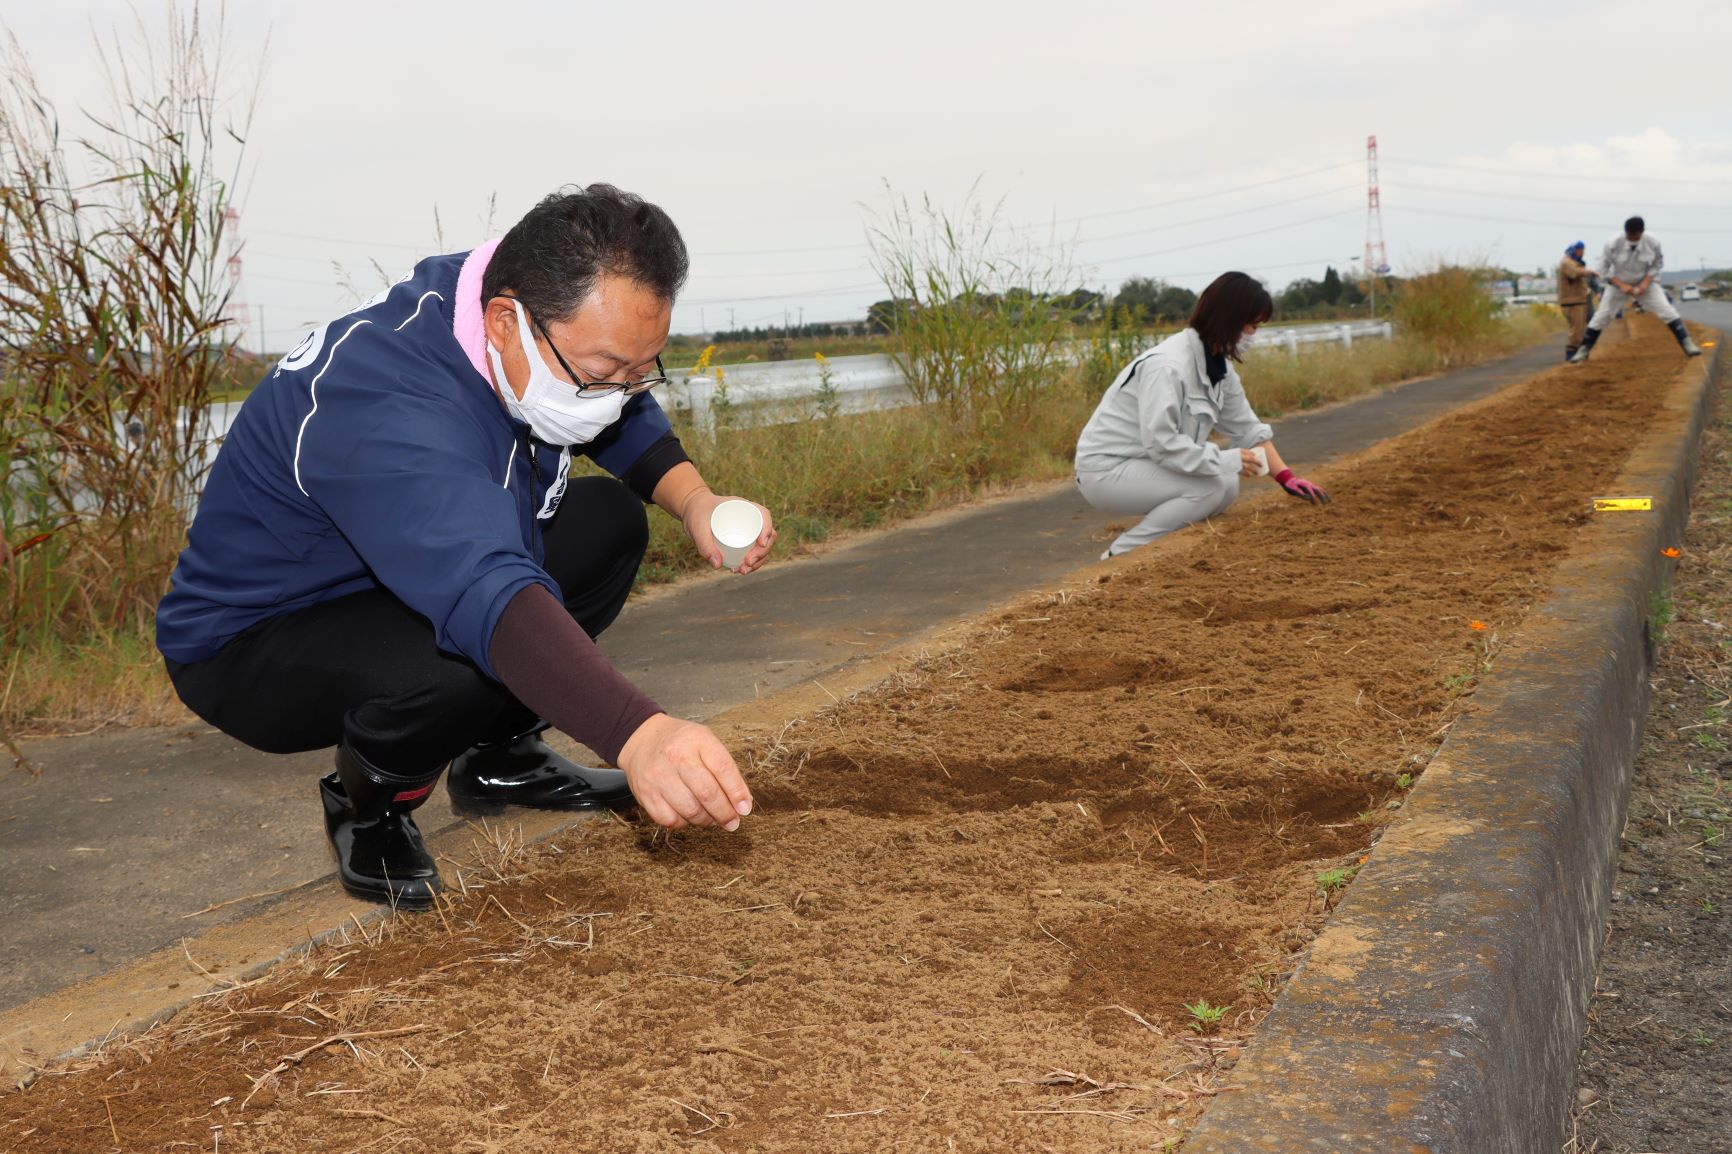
[
  {"x": 549, "y": 406},
  {"x": 1246, "y": 340}
]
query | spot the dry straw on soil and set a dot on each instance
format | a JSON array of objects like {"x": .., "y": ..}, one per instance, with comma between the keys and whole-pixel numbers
[{"x": 974, "y": 897}]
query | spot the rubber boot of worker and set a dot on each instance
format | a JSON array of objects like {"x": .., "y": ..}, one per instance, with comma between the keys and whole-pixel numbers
[
  {"x": 524, "y": 770},
  {"x": 1588, "y": 340},
  {"x": 1690, "y": 347},
  {"x": 368, "y": 817},
  {"x": 1570, "y": 352}
]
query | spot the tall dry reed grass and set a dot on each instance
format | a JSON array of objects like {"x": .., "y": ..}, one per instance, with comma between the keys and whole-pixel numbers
[
  {"x": 112, "y": 340},
  {"x": 978, "y": 328}
]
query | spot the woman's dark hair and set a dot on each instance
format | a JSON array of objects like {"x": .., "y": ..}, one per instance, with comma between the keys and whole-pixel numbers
[
  {"x": 550, "y": 259},
  {"x": 1232, "y": 301}
]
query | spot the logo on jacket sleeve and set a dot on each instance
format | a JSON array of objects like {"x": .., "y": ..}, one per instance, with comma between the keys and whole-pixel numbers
[{"x": 306, "y": 352}]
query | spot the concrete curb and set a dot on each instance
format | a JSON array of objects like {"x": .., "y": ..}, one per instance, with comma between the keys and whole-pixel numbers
[{"x": 1443, "y": 1006}]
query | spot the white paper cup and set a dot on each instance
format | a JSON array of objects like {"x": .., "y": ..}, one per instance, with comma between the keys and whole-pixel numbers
[
  {"x": 736, "y": 525},
  {"x": 1262, "y": 456}
]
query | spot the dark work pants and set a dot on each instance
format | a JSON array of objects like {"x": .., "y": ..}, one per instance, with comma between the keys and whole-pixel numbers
[{"x": 365, "y": 667}]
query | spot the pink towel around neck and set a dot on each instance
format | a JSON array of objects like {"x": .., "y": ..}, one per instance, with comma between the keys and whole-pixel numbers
[{"x": 466, "y": 321}]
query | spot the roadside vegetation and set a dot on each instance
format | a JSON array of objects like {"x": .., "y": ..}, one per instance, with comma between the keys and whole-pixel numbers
[
  {"x": 112, "y": 343},
  {"x": 825, "y": 475}
]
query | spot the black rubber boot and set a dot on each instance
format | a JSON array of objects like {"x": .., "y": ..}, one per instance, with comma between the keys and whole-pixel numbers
[
  {"x": 380, "y": 854},
  {"x": 1569, "y": 352},
  {"x": 1690, "y": 347},
  {"x": 525, "y": 771},
  {"x": 1588, "y": 340}
]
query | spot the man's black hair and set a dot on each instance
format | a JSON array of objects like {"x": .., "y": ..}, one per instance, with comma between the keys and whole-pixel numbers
[
  {"x": 1634, "y": 225},
  {"x": 1232, "y": 302},
  {"x": 551, "y": 258}
]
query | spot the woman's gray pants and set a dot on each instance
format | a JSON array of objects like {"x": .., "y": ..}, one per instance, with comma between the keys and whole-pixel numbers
[{"x": 1165, "y": 500}]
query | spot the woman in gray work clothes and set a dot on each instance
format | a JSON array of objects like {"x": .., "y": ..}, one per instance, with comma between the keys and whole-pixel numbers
[{"x": 1146, "y": 450}]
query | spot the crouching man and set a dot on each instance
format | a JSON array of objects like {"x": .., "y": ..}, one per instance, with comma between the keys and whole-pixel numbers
[
  {"x": 390, "y": 558},
  {"x": 1630, "y": 265}
]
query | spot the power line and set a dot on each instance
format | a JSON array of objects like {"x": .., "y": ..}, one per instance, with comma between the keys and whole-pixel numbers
[
  {"x": 1645, "y": 202},
  {"x": 426, "y": 248},
  {"x": 1112, "y": 260},
  {"x": 1211, "y": 195},
  {"x": 1091, "y": 239},
  {"x": 1220, "y": 215},
  {"x": 1572, "y": 177},
  {"x": 368, "y": 243},
  {"x": 1670, "y": 230},
  {"x": 1033, "y": 225},
  {"x": 1312, "y": 263},
  {"x": 1230, "y": 239}
]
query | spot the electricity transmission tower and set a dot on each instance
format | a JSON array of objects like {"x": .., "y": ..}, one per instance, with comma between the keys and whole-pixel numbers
[
  {"x": 236, "y": 314},
  {"x": 1376, "y": 253}
]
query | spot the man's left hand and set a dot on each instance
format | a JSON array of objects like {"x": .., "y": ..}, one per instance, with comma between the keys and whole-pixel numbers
[{"x": 696, "y": 518}]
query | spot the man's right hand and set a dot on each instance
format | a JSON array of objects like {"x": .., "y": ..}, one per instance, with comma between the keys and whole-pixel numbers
[{"x": 681, "y": 774}]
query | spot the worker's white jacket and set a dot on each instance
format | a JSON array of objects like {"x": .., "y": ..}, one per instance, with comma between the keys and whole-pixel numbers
[
  {"x": 1631, "y": 262},
  {"x": 1162, "y": 407}
]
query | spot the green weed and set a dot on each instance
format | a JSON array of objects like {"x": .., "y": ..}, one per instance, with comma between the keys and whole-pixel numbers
[
  {"x": 1333, "y": 882},
  {"x": 1206, "y": 1019},
  {"x": 1661, "y": 614}
]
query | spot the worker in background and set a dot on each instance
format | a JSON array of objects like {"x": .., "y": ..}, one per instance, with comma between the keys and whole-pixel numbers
[
  {"x": 1630, "y": 265},
  {"x": 1574, "y": 283},
  {"x": 1146, "y": 452}
]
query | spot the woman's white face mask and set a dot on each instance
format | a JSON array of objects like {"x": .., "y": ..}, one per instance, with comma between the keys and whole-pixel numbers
[
  {"x": 549, "y": 406},
  {"x": 1246, "y": 340}
]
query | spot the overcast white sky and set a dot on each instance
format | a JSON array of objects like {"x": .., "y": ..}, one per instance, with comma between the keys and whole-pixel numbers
[{"x": 1166, "y": 139}]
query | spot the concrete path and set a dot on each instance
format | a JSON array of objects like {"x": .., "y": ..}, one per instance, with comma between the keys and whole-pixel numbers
[{"x": 128, "y": 833}]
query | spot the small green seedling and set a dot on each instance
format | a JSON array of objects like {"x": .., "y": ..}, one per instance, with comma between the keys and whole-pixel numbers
[
  {"x": 1708, "y": 905},
  {"x": 1660, "y": 615},
  {"x": 1206, "y": 1019},
  {"x": 1332, "y": 882},
  {"x": 1404, "y": 781}
]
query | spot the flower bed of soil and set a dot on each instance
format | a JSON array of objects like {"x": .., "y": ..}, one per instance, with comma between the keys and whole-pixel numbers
[{"x": 975, "y": 898}]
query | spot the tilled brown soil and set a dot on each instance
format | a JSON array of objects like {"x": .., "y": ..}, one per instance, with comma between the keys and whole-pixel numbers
[{"x": 974, "y": 898}]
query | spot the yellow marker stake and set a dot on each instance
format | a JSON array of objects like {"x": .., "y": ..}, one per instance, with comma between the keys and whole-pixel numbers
[{"x": 1622, "y": 504}]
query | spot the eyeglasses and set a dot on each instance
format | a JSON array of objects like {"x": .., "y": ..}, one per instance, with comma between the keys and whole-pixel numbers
[{"x": 586, "y": 388}]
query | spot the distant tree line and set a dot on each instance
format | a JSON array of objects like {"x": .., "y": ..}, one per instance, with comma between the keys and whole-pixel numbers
[
  {"x": 1140, "y": 301},
  {"x": 794, "y": 332},
  {"x": 1306, "y": 295}
]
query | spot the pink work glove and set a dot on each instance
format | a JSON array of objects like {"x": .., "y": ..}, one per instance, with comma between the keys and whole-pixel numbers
[{"x": 1301, "y": 488}]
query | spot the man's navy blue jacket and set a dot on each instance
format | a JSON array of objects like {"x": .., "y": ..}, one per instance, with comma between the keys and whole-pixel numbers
[{"x": 375, "y": 455}]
